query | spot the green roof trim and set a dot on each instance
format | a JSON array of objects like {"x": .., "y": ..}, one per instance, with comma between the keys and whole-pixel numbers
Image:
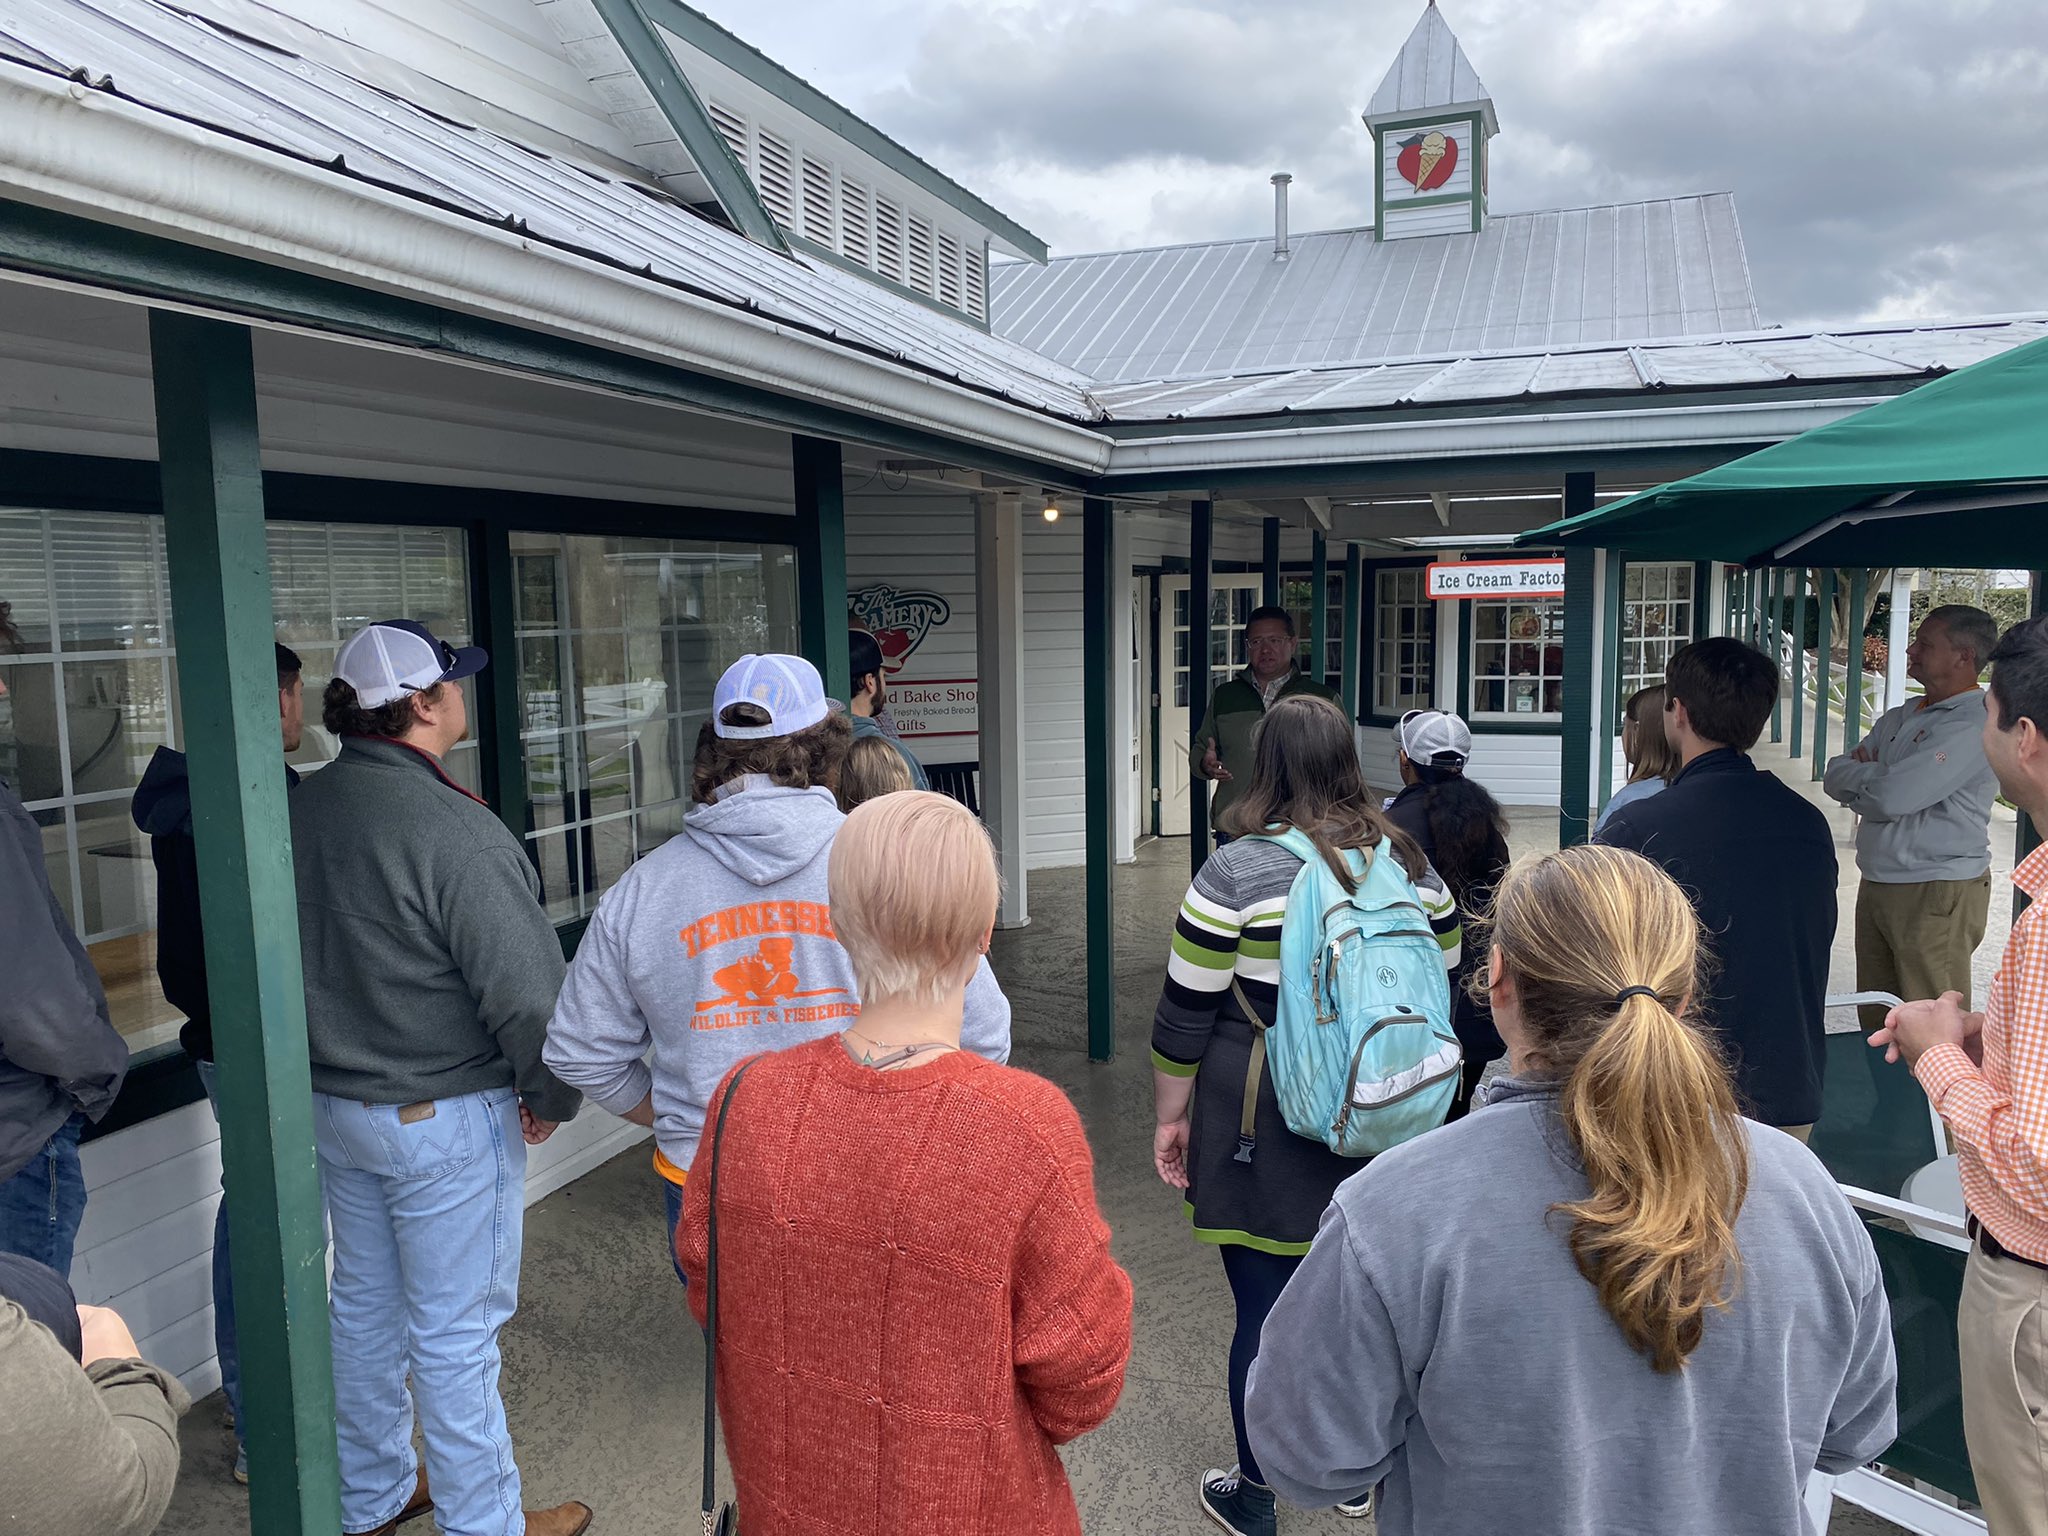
[
  {"x": 627, "y": 22},
  {"x": 708, "y": 37}
]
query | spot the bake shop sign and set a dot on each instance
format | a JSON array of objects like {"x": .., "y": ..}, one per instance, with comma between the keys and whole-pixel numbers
[
  {"x": 1497, "y": 578},
  {"x": 898, "y": 620}
]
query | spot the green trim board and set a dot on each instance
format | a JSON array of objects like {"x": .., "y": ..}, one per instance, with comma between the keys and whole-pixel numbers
[
  {"x": 684, "y": 110},
  {"x": 494, "y": 601},
  {"x": 1610, "y": 670},
  {"x": 1824, "y": 666},
  {"x": 40, "y": 242},
  {"x": 1099, "y": 584},
  {"x": 1201, "y": 589},
  {"x": 805, "y": 245},
  {"x": 1575, "y": 822},
  {"x": 707, "y": 37},
  {"x": 1368, "y": 625},
  {"x": 1354, "y": 631},
  {"x": 821, "y": 561},
  {"x": 1319, "y": 607},
  {"x": 205, "y": 386},
  {"x": 1799, "y": 668}
]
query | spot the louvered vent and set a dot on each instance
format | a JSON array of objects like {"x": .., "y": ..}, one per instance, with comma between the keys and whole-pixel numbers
[
  {"x": 776, "y": 179},
  {"x": 855, "y": 242},
  {"x": 817, "y": 201},
  {"x": 732, "y": 128},
  {"x": 888, "y": 239},
  {"x": 975, "y": 273},
  {"x": 949, "y": 269},
  {"x": 920, "y": 254}
]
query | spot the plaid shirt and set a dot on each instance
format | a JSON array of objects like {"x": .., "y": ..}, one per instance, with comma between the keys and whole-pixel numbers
[{"x": 2000, "y": 1114}]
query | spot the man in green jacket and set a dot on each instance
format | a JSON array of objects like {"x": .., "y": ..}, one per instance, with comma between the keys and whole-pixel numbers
[{"x": 1220, "y": 748}]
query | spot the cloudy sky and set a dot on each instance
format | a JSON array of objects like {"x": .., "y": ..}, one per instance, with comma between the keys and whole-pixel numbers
[{"x": 1889, "y": 157}]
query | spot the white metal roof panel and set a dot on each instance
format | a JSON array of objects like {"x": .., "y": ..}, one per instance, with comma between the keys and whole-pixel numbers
[
  {"x": 167, "y": 61},
  {"x": 1430, "y": 71},
  {"x": 1633, "y": 272}
]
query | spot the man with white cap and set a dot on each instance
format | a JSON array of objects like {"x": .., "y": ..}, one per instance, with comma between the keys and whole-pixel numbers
[
  {"x": 431, "y": 970},
  {"x": 719, "y": 944}
]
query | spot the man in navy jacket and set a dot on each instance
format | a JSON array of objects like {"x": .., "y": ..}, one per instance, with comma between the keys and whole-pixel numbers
[{"x": 1758, "y": 861}]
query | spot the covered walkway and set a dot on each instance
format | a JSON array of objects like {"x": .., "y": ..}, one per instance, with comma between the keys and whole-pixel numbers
[{"x": 603, "y": 1369}]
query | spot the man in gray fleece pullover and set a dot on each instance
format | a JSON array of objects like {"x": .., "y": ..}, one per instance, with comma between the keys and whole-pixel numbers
[
  {"x": 719, "y": 944},
  {"x": 1440, "y": 1337}
]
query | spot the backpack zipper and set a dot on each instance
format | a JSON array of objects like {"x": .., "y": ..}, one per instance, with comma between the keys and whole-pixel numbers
[{"x": 1344, "y": 1114}]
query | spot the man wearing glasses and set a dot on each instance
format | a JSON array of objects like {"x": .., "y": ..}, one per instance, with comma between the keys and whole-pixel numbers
[{"x": 1220, "y": 747}]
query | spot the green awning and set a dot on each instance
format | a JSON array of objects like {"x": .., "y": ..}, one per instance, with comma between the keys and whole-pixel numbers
[{"x": 1960, "y": 467}]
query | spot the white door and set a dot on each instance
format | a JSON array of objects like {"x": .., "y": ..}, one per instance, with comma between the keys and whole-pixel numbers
[{"x": 1231, "y": 601}]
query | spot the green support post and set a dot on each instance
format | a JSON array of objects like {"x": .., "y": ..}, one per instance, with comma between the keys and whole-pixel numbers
[
  {"x": 1098, "y": 620},
  {"x": 821, "y": 559},
  {"x": 499, "y": 722},
  {"x": 1852, "y": 701},
  {"x": 1319, "y": 608},
  {"x": 1774, "y": 639},
  {"x": 1610, "y": 671},
  {"x": 1823, "y": 668},
  {"x": 1201, "y": 580},
  {"x": 205, "y": 381},
  {"x": 1269, "y": 587},
  {"x": 1575, "y": 765},
  {"x": 1354, "y": 631},
  {"x": 1798, "y": 661}
]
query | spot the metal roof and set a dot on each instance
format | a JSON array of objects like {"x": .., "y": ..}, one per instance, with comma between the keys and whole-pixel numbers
[
  {"x": 1758, "y": 358},
  {"x": 1626, "y": 272},
  {"x": 162, "y": 59},
  {"x": 1431, "y": 71}
]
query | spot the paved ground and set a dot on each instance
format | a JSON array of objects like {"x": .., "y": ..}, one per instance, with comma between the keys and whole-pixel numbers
[{"x": 602, "y": 1371}]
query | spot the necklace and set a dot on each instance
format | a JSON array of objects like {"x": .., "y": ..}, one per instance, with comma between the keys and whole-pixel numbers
[{"x": 897, "y": 1057}]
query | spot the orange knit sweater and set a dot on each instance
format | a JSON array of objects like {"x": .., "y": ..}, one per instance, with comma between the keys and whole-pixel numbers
[{"x": 916, "y": 1299}]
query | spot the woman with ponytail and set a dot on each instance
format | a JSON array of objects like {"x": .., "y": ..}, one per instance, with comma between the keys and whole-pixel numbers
[{"x": 1603, "y": 1302}]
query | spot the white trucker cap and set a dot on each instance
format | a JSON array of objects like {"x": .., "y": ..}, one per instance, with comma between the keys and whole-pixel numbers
[
  {"x": 385, "y": 661},
  {"x": 1434, "y": 739},
  {"x": 787, "y": 688}
]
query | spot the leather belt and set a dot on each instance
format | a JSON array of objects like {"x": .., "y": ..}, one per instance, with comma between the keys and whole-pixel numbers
[{"x": 1994, "y": 1249}]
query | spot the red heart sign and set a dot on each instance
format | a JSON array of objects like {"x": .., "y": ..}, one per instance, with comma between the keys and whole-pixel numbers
[
  {"x": 1427, "y": 160},
  {"x": 896, "y": 646}
]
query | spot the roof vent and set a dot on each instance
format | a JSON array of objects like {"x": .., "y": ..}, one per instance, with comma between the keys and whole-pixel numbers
[{"x": 1281, "y": 179}]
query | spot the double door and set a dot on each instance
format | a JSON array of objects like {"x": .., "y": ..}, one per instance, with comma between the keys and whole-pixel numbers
[{"x": 1185, "y": 683}]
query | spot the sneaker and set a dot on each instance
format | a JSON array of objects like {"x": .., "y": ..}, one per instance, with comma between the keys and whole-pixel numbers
[
  {"x": 1240, "y": 1506},
  {"x": 1356, "y": 1511},
  {"x": 241, "y": 1469}
]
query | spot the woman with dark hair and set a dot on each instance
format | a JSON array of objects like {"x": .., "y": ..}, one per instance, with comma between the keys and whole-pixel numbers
[
  {"x": 1652, "y": 760},
  {"x": 1604, "y": 1301},
  {"x": 1260, "y": 1211},
  {"x": 1462, "y": 831}
]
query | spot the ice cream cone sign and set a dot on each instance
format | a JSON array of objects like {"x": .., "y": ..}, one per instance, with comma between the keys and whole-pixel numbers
[{"x": 1427, "y": 159}]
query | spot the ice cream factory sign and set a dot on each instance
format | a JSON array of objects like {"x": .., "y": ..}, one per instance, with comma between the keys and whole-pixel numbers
[{"x": 1497, "y": 578}]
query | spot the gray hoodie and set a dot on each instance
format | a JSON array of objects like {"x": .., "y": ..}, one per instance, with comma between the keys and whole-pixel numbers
[
  {"x": 715, "y": 947},
  {"x": 1926, "y": 798},
  {"x": 1439, "y": 1336}
]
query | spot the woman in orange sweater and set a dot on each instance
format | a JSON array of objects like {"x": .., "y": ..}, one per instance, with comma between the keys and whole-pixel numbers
[{"x": 917, "y": 1303}]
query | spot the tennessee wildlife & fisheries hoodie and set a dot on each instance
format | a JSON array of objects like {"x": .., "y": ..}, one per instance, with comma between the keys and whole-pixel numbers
[{"x": 715, "y": 947}]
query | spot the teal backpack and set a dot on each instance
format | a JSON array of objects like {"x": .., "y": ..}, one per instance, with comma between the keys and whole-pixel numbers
[{"x": 1361, "y": 1050}]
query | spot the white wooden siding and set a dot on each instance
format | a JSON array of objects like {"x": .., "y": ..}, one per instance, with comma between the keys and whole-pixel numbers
[
  {"x": 146, "y": 1245},
  {"x": 1446, "y": 219},
  {"x": 923, "y": 540},
  {"x": 1055, "y": 828}
]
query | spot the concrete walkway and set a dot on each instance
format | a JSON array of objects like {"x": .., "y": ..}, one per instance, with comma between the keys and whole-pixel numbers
[{"x": 603, "y": 1369}]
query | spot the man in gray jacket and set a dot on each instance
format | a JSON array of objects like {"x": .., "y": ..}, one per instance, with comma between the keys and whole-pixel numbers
[
  {"x": 61, "y": 1059},
  {"x": 1923, "y": 788},
  {"x": 431, "y": 971}
]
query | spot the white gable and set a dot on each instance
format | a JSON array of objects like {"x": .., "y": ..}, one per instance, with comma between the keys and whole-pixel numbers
[{"x": 1432, "y": 72}]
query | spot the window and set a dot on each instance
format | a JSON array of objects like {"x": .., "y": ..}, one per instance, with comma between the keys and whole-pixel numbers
[
  {"x": 621, "y": 642},
  {"x": 1229, "y": 609},
  {"x": 1656, "y": 619},
  {"x": 1403, "y": 642},
  {"x": 89, "y": 691},
  {"x": 1296, "y": 600},
  {"x": 1518, "y": 658}
]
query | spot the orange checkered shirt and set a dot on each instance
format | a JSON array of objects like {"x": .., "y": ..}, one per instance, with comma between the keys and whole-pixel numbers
[{"x": 2000, "y": 1114}]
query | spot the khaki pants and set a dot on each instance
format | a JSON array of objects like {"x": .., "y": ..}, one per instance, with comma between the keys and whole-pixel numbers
[
  {"x": 1916, "y": 941},
  {"x": 2002, "y": 1332}
]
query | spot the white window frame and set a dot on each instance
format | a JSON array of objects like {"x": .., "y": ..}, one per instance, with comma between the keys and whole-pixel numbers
[
  {"x": 1544, "y": 608},
  {"x": 1391, "y": 597},
  {"x": 1679, "y": 619}
]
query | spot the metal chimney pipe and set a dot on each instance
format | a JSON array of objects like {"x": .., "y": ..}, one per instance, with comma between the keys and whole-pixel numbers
[{"x": 1280, "y": 184}]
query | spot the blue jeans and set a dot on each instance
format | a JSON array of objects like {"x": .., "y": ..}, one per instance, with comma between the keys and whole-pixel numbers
[
  {"x": 224, "y": 1345},
  {"x": 428, "y": 1212},
  {"x": 672, "y": 1203},
  {"x": 42, "y": 1205}
]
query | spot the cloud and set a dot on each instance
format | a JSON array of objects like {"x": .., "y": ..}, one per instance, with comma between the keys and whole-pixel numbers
[{"x": 1889, "y": 157}]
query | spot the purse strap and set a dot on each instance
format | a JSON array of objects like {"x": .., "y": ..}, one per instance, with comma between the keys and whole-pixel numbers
[{"x": 711, "y": 1310}]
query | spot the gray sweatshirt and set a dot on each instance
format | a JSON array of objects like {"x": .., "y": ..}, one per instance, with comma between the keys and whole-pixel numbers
[
  {"x": 1439, "y": 1336},
  {"x": 1926, "y": 800},
  {"x": 715, "y": 947}
]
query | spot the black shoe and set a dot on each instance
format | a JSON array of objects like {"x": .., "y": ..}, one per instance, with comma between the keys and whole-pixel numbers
[{"x": 1240, "y": 1506}]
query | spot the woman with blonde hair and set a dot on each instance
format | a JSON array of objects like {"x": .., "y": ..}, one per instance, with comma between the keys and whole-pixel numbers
[
  {"x": 1652, "y": 760},
  {"x": 873, "y": 767},
  {"x": 917, "y": 1302},
  {"x": 1603, "y": 1301}
]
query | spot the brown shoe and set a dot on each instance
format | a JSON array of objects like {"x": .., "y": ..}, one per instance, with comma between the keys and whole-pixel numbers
[
  {"x": 420, "y": 1502},
  {"x": 571, "y": 1519}
]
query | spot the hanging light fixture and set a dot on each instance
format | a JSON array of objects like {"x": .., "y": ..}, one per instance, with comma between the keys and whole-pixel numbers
[{"x": 1051, "y": 513}]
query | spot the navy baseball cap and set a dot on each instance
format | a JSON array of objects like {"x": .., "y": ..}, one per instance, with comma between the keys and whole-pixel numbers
[{"x": 387, "y": 660}]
